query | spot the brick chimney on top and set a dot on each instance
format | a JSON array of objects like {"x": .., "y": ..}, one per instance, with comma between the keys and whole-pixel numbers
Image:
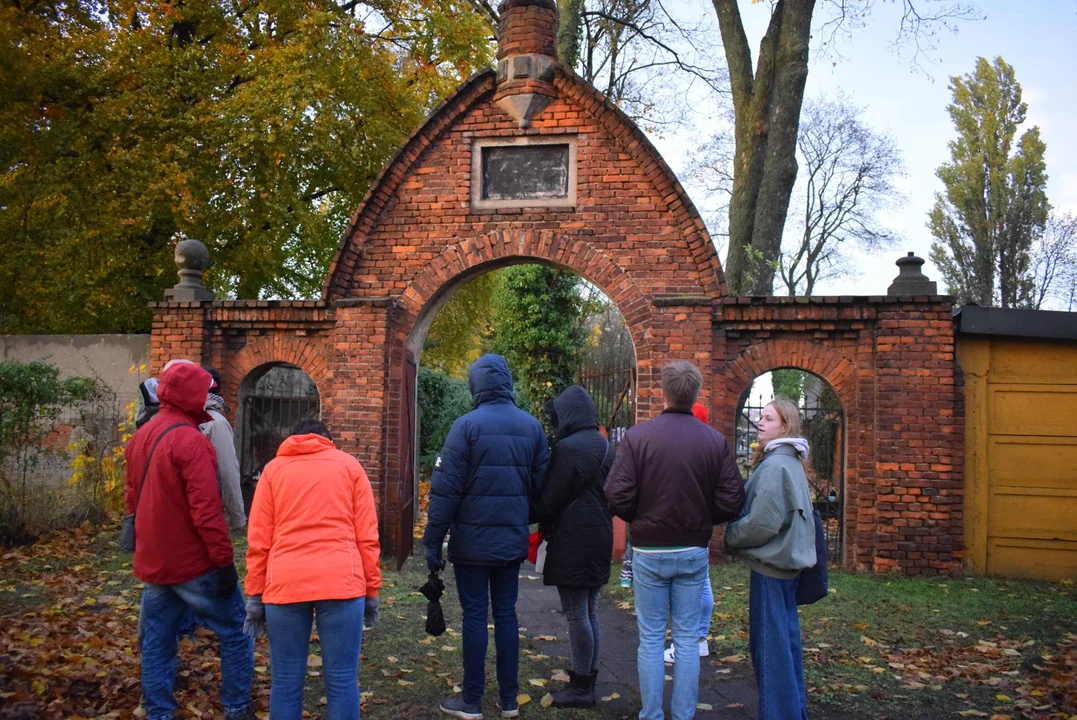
[{"x": 526, "y": 56}]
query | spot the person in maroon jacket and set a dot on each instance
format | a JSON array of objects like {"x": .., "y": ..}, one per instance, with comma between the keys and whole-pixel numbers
[
  {"x": 183, "y": 554},
  {"x": 674, "y": 479}
]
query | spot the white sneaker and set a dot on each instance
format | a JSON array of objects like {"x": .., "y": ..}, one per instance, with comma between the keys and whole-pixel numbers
[{"x": 670, "y": 654}]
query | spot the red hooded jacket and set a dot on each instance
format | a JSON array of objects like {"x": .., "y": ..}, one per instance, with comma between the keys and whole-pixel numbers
[{"x": 180, "y": 531}]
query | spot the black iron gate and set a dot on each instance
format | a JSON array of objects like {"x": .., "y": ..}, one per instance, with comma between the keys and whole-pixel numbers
[
  {"x": 614, "y": 393},
  {"x": 267, "y": 411},
  {"x": 822, "y": 423}
]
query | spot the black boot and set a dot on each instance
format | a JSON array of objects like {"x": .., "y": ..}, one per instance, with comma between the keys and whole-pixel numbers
[
  {"x": 579, "y": 693},
  {"x": 592, "y": 681}
]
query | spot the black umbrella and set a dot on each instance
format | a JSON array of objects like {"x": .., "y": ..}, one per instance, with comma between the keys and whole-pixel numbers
[{"x": 435, "y": 618}]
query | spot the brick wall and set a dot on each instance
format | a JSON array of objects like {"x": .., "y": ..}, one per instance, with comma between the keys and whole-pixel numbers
[
  {"x": 891, "y": 362},
  {"x": 634, "y": 233}
]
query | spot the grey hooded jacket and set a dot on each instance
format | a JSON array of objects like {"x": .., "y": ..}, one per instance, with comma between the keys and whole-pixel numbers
[
  {"x": 220, "y": 434},
  {"x": 775, "y": 535}
]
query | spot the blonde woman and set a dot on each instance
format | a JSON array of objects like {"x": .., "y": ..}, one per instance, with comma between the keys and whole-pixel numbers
[{"x": 775, "y": 537}]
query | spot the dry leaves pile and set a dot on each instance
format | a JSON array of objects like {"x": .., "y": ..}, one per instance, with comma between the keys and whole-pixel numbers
[
  {"x": 1026, "y": 680},
  {"x": 423, "y": 499},
  {"x": 67, "y": 639}
]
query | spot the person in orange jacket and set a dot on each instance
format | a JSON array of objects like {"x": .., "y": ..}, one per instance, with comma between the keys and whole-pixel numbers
[{"x": 313, "y": 556}]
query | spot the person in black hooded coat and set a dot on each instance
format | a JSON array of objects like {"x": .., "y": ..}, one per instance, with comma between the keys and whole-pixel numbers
[{"x": 572, "y": 509}]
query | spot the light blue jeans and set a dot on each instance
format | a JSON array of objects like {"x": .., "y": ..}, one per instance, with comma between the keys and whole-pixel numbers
[
  {"x": 668, "y": 585},
  {"x": 340, "y": 632},
  {"x": 164, "y": 608},
  {"x": 706, "y": 607}
]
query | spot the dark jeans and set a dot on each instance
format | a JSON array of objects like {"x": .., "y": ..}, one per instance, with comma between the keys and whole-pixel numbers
[
  {"x": 581, "y": 611},
  {"x": 481, "y": 588},
  {"x": 163, "y": 609},
  {"x": 340, "y": 632},
  {"x": 774, "y": 639}
]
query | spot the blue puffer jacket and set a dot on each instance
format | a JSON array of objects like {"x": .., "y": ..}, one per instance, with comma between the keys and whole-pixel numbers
[{"x": 493, "y": 466}]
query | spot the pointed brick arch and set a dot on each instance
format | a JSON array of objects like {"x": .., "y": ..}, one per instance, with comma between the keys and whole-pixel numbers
[{"x": 581, "y": 100}]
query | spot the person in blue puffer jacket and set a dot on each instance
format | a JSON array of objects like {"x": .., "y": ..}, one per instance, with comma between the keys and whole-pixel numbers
[{"x": 490, "y": 471}]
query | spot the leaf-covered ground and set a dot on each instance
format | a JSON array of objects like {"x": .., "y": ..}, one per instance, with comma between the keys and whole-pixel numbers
[{"x": 878, "y": 647}]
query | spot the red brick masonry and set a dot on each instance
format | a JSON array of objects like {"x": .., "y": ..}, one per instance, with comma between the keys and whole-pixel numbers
[{"x": 634, "y": 233}]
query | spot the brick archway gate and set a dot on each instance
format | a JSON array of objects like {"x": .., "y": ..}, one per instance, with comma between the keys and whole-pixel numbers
[
  {"x": 532, "y": 164},
  {"x": 890, "y": 359},
  {"x": 459, "y": 263}
]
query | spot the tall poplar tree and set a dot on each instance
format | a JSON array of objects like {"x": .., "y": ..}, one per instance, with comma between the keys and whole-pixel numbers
[{"x": 994, "y": 207}]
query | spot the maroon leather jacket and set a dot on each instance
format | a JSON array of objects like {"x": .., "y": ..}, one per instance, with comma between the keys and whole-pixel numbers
[{"x": 674, "y": 479}]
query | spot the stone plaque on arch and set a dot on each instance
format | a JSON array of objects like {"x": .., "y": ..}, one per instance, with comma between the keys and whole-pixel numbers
[{"x": 523, "y": 172}]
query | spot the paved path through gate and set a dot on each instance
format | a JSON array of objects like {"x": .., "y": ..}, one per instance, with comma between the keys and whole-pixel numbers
[{"x": 539, "y": 610}]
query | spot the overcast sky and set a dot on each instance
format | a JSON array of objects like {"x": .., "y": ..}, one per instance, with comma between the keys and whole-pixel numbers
[{"x": 1037, "y": 37}]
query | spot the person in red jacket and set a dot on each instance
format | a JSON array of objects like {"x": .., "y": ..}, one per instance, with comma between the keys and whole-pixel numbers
[{"x": 183, "y": 554}]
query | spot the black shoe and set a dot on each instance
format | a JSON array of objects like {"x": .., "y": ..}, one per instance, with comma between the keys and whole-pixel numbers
[
  {"x": 579, "y": 693},
  {"x": 456, "y": 707}
]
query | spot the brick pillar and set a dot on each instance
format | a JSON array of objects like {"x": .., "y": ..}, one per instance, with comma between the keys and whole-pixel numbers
[
  {"x": 358, "y": 413},
  {"x": 918, "y": 478},
  {"x": 178, "y": 333},
  {"x": 526, "y": 56}
]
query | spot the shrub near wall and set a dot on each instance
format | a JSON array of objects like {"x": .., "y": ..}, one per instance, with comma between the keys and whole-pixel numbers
[
  {"x": 442, "y": 399},
  {"x": 32, "y": 400}
]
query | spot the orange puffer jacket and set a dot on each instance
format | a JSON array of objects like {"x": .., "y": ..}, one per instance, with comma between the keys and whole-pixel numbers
[{"x": 313, "y": 531}]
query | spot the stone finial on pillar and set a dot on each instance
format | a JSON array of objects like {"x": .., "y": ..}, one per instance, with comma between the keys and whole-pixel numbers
[
  {"x": 192, "y": 259},
  {"x": 526, "y": 56},
  {"x": 911, "y": 280}
]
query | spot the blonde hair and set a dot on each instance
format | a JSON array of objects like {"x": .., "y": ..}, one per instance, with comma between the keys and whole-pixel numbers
[{"x": 789, "y": 414}]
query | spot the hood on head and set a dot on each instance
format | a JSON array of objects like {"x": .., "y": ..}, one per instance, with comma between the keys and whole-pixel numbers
[
  {"x": 184, "y": 387},
  {"x": 699, "y": 410},
  {"x": 575, "y": 411},
  {"x": 304, "y": 445},
  {"x": 489, "y": 379},
  {"x": 149, "y": 392}
]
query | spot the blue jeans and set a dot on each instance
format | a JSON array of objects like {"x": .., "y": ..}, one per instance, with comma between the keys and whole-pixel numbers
[
  {"x": 706, "y": 607},
  {"x": 774, "y": 639},
  {"x": 668, "y": 585},
  {"x": 483, "y": 587},
  {"x": 163, "y": 609},
  {"x": 340, "y": 631}
]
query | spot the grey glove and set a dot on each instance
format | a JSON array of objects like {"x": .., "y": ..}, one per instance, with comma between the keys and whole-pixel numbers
[
  {"x": 255, "y": 623},
  {"x": 370, "y": 614}
]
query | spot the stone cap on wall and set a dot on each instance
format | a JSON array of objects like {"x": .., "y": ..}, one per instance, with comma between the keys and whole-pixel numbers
[
  {"x": 836, "y": 299},
  {"x": 242, "y": 304}
]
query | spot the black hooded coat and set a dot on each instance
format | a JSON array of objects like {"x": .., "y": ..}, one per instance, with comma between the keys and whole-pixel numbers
[{"x": 572, "y": 507}]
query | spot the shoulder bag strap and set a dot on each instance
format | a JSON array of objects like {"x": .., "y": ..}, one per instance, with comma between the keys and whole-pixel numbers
[
  {"x": 588, "y": 489},
  {"x": 149, "y": 460}
]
